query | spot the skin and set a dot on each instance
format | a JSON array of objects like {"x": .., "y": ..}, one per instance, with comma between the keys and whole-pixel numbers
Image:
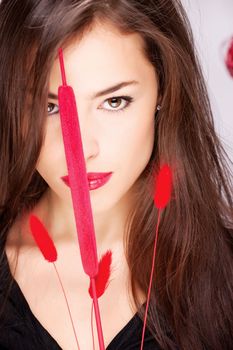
[
  {"x": 114, "y": 139},
  {"x": 120, "y": 142}
]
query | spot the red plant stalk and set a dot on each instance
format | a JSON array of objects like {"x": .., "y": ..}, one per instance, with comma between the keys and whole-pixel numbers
[
  {"x": 92, "y": 330},
  {"x": 162, "y": 196},
  {"x": 102, "y": 282},
  {"x": 47, "y": 248},
  {"x": 79, "y": 187}
]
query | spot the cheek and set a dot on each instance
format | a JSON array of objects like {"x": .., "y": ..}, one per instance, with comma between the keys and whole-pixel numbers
[
  {"x": 51, "y": 154},
  {"x": 133, "y": 150},
  {"x": 142, "y": 145}
]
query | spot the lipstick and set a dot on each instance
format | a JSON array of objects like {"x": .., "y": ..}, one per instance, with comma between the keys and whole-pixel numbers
[{"x": 95, "y": 180}]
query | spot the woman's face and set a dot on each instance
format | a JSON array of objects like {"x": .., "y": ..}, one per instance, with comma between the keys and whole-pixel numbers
[{"x": 117, "y": 127}]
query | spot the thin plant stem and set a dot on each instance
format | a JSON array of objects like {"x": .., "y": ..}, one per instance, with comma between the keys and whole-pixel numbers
[
  {"x": 63, "y": 290},
  {"x": 151, "y": 278}
]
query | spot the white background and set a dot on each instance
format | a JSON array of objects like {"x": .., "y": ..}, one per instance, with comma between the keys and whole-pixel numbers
[{"x": 212, "y": 24}]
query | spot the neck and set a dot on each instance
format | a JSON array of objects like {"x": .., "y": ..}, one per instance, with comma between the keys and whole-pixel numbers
[{"x": 58, "y": 217}]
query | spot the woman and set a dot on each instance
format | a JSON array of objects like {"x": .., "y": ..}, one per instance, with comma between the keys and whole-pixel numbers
[{"x": 142, "y": 101}]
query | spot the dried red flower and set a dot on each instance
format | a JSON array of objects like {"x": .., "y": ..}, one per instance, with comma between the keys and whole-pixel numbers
[
  {"x": 163, "y": 187},
  {"x": 43, "y": 239},
  {"x": 229, "y": 58},
  {"x": 102, "y": 279}
]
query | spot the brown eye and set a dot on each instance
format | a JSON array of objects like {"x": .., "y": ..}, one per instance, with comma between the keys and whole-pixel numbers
[
  {"x": 52, "y": 108},
  {"x": 116, "y": 104}
]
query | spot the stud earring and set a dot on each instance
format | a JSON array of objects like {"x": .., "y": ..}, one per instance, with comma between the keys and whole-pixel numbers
[{"x": 157, "y": 110}]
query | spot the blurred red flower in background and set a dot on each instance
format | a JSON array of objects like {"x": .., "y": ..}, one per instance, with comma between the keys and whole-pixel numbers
[{"x": 229, "y": 58}]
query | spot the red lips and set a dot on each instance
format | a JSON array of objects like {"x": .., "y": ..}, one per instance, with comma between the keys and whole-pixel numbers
[
  {"x": 95, "y": 180},
  {"x": 96, "y": 176}
]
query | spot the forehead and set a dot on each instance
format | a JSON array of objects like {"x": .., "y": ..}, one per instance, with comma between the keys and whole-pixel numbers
[{"x": 101, "y": 55}]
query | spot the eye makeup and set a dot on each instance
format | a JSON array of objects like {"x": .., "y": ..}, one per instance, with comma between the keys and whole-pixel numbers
[
  {"x": 127, "y": 99},
  {"x": 54, "y": 108}
]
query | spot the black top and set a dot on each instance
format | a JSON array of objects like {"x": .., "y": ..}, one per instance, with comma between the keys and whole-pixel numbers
[{"x": 21, "y": 330}]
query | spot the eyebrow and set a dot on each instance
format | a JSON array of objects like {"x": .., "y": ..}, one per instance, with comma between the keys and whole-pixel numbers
[
  {"x": 105, "y": 91},
  {"x": 52, "y": 95}
]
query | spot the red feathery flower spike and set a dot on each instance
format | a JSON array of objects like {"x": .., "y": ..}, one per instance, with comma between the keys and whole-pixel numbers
[
  {"x": 77, "y": 174},
  {"x": 47, "y": 248},
  {"x": 42, "y": 238},
  {"x": 102, "y": 279},
  {"x": 162, "y": 195},
  {"x": 163, "y": 187},
  {"x": 79, "y": 187}
]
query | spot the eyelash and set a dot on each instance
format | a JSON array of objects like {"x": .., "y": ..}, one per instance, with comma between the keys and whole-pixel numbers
[{"x": 127, "y": 99}]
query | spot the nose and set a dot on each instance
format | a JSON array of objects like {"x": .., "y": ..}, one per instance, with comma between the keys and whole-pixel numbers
[
  {"x": 89, "y": 138},
  {"x": 88, "y": 130}
]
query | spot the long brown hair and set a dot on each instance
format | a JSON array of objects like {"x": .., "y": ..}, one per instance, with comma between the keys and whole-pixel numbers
[{"x": 191, "y": 302}]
